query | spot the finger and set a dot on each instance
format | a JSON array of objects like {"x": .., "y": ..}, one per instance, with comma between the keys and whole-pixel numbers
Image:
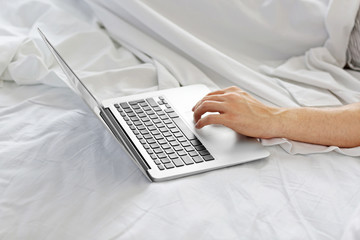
[
  {"x": 211, "y": 119},
  {"x": 233, "y": 89},
  {"x": 208, "y": 106},
  {"x": 217, "y": 92},
  {"x": 218, "y": 97}
]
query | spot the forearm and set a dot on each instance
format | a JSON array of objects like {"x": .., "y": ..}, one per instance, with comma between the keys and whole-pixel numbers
[{"x": 327, "y": 126}]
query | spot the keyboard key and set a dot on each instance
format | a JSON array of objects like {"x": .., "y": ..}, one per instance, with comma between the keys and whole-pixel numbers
[
  {"x": 145, "y": 119},
  {"x": 161, "y": 155},
  {"x": 153, "y": 156},
  {"x": 150, "y": 140},
  {"x": 187, "y": 160},
  {"x": 204, "y": 152},
  {"x": 116, "y": 105},
  {"x": 162, "y": 141},
  {"x": 139, "y": 111},
  {"x": 182, "y": 139},
  {"x": 187, "y": 132},
  {"x": 182, "y": 153},
  {"x": 168, "y": 121},
  {"x": 169, "y": 151},
  {"x": 141, "y": 127},
  {"x": 173, "y": 156},
  {"x": 165, "y": 146},
  {"x": 152, "y": 102},
  {"x": 124, "y": 105},
  {"x": 189, "y": 149},
  {"x": 173, "y": 115},
  {"x": 148, "y": 124},
  {"x": 178, "y": 134},
  {"x": 150, "y": 112},
  {"x": 178, "y": 162},
  {"x": 144, "y": 131},
  {"x": 171, "y": 125},
  {"x": 147, "y": 136},
  {"x": 152, "y": 128},
  {"x": 174, "y": 143},
  {"x": 156, "y": 120},
  {"x": 169, "y": 165},
  {"x": 154, "y": 145},
  {"x": 197, "y": 159},
  {"x": 195, "y": 142},
  {"x": 128, "y": 110},
  {"x": 193, "y": 154},
  {"x": 155, "y": 132},
  {"x": 134, "y": 119},
  {"x": 167, "y": 134},
  {"x": 161, "y": 167},
  {"x": 185, "y": 144},
  {"x": 137, "y": 123},
  {"x": 136, "y": 132},
  {"x": 165, "y": 160},
  {"x": 143, "y": 104},
  {"x": 169, "y": 110},
  {"x": 200, "y": 148},
  {"x": 164, "y": 117},
  {"x": 163, "y": 129},
  {"x": 158, "y": 137},
  {"x": 208, "y": 157},
  {"x": 157, "y": 161},
  {"x": 134, "y": 102},
  {"x": 178, "y": 148}
]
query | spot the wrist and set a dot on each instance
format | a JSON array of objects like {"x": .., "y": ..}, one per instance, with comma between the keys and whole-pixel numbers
[{"x": 280, "y": 119}]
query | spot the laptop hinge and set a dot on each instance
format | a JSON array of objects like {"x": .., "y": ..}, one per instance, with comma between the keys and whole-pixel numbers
[{"x": 122, "y": 137}]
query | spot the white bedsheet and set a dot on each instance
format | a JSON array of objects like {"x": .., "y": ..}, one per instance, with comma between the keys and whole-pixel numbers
[{"x": 62, "y": 176}]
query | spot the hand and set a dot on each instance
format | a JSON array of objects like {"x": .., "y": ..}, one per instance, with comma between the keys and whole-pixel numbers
[{"x": 237, "y": 110}]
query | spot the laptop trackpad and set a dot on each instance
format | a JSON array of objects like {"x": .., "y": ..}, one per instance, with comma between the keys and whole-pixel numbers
[{"x": 224, "y": 143}]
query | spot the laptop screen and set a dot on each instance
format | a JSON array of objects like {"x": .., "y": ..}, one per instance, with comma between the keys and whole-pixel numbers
[{"x": 72, "y": 80}]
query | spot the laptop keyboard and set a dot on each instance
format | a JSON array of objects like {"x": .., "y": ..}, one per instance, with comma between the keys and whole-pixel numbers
[{"x": 163, "y": 134}]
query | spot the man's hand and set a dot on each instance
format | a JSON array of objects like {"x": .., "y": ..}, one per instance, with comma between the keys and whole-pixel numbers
[
  {"x": 237, "y": 110},
  {"x": 339, "y": 126}
]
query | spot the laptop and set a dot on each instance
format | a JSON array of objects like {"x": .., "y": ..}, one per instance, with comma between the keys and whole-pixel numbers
[{"x": 157, "y": 130}]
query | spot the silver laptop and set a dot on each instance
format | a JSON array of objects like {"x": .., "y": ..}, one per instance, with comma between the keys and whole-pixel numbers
[{"x": 158, "y": 132}]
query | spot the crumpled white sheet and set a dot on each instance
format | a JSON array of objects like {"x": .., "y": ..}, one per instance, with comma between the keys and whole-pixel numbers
[
  {"x": 318, "y": 79},
  {"x": 62, "y": 176},
  {"x": 314, "y": 79},
  {"x": 171, "y": 50}
]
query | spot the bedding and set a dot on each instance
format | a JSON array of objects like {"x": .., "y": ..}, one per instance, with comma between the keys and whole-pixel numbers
[{"x": 63, "y": 176}]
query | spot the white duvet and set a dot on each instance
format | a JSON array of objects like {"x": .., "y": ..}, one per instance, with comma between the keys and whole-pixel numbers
[{"x": 63, "y": 177}]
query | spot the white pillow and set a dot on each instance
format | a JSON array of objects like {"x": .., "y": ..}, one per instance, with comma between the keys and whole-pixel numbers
[{"x": 353, "y": 51}]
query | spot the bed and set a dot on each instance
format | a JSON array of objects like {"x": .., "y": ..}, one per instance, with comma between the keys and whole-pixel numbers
[{"x": 63, "y": 176}]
